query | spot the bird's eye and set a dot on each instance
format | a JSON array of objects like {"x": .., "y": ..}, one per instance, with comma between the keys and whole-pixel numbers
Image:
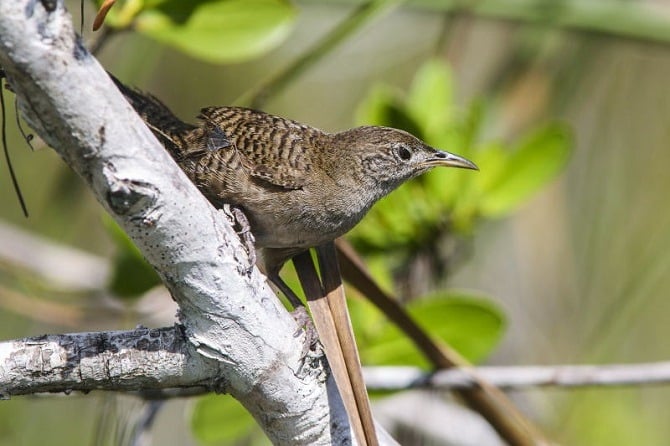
[{"x": 403, "y": 153}]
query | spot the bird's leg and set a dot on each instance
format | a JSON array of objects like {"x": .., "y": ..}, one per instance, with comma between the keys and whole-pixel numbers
[
  {"x": 271, "y": 262},
  {"x": 293, "y": 299}
]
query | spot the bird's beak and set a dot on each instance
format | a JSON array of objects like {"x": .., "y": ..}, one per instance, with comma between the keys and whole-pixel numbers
[{"x": 444, "y": 158}]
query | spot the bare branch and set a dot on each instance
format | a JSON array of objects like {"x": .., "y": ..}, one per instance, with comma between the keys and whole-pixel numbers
[
  {"x": 143, "y": 359},
  {"x": 398, "y": 378}
]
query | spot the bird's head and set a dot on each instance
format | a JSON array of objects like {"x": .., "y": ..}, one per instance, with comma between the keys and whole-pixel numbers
[{"x": 387, "y": 157}]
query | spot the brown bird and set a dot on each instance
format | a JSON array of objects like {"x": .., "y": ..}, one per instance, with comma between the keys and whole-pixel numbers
[{"x": 298, "y": 186}]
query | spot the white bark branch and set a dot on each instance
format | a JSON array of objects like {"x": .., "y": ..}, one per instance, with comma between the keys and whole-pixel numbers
[
  {"x": 161, "y": 362},
  {"x": 229, "y": 314},
  {"x": 516, "y": 377},
  {"x": 146, "y": 360}
]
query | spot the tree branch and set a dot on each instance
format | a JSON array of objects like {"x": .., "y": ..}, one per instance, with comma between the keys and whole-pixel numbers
[
  {"x": 139, "y": 360},
  {"x": 229, "y": 315},
  {"x": 401, "y": 378}
]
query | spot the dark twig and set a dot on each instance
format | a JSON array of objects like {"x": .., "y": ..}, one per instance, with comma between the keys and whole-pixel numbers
[{"x": 3, "y": 130}]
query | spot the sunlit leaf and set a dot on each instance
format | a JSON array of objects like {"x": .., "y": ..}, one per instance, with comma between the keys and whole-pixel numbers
[
  {"x": 221, "y": 419},
  {"x": 470, "y": 324},
  {"x": 492, "y": 160},
  {"x": 449, "y": 200},
  {"x": 219, "y": 30},
  {"x": 538, "y": 160}
]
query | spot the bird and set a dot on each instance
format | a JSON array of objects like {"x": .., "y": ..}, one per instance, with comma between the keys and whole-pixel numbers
[
  {"x": 296, "y": 187},
  {"x": 299, "y": 187}
]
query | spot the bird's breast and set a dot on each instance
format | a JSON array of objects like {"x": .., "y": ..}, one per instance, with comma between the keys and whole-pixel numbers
[{"x": 297, "y": 219}]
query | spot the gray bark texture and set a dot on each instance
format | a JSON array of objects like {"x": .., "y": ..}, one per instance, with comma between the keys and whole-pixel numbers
[{"x": 234, "y": 336}]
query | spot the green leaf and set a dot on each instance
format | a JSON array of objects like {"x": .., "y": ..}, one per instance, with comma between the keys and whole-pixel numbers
[
  {"x": 366, "y": 319},
  {"x": 471, "y": 324},
  {"x": 448, "y": 188},
  {"x": 221, "y": 419},
  {"x": 219, "y": 31},
  {"x": 132, "y": 275},
  {"x": 471, "y": 127},
  {"x": 537, "y": 160}
]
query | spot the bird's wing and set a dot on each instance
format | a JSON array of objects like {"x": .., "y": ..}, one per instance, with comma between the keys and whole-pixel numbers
[
  {"x": 270, "y": 148},
  {"x": 206, "y": 140}
]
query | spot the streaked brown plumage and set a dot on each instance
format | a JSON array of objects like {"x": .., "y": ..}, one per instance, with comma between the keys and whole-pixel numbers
[{"x": 299, "y": 187}]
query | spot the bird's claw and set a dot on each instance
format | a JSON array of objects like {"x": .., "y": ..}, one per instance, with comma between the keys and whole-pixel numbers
[
  {"x": 305, "y": 324},
  {"x": 244, "y": 231}
]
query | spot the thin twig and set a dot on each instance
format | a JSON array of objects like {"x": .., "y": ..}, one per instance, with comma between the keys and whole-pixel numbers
[
  {"x": 3, "y": 136},
  {"x": 518, "y": 377}
]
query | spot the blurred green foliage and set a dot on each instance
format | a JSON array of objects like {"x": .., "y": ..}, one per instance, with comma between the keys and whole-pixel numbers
[
  {"x": 216, "y": 31},
  {"x": 217, "y": 419},
  {"x": 611, "y": 418}
]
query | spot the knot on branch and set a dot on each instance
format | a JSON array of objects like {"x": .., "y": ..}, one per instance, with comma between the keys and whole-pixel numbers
[
  {"x": 50, "y": 5},
  {"x": 126, "y": 196}
]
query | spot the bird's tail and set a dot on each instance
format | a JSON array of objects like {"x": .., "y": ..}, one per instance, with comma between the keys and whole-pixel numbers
[{"x": 169, "y": 129}]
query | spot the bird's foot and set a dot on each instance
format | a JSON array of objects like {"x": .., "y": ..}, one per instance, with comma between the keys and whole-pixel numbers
[
  {"x": 305, "y": 324},
  {"x": 243, "y": 229}
]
